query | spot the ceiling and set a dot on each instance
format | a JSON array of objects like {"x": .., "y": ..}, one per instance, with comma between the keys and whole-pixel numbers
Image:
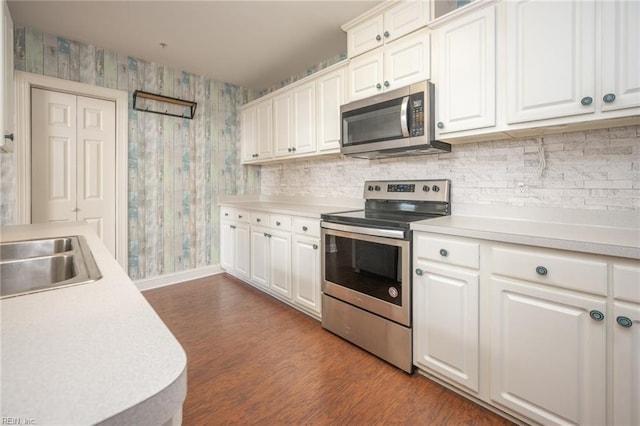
[{"x": 254, "y": 44}]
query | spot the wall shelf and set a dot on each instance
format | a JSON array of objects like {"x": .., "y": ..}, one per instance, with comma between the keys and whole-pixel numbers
[{"x": 165, "y": 105}]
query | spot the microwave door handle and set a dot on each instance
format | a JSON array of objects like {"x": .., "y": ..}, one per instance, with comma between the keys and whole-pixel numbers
[{"x": 404, "y": 111}]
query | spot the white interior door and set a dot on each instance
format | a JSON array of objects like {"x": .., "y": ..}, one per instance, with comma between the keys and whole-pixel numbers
[{"x": 73, "y": 161}]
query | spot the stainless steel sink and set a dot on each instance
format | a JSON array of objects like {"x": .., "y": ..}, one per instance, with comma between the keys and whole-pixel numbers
[
  {"x": 34, "y": 248},
  {"x": 38, "y": 265}
]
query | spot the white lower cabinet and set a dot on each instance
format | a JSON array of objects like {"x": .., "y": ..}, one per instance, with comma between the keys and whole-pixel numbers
[
  {"x": 306, "y": 273},
  {"x": 234, "y": 245},
  {"x": 445, "y": 310},
  {"x": 279, "y": 254},
  {"x": 548, "y": 336},
  {"x": 548, "y": 353}
]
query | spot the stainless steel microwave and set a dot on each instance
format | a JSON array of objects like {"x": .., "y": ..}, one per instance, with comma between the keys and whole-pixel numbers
[{"x": 392, "y": 124}]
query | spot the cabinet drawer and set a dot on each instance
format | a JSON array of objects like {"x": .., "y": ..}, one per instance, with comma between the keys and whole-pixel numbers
[
  {"x": 281, "y": 222},
  {"x": 626, "y": 283},
  {"x": 447, "y": 250},
  {"x": 309, "y": 227},
  {"x": 259, "y": 218},
  {"x": 242, "y": 215},
  {"x": 551, "y": 268},
  {"x": 226, "y": 213}
]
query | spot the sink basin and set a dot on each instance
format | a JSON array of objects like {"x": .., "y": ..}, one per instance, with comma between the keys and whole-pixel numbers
[
  {"x": 34, "y": 248},
  {"x": 38, "y": 265}
]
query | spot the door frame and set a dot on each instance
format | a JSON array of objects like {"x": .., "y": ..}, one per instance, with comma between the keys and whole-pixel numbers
[{"x": 23, "y": 83}]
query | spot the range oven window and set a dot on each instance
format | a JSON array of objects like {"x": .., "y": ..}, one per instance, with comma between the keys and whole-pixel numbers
[{"x": 366, "y": 267}]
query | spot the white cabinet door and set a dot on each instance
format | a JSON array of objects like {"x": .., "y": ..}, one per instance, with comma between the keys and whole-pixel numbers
[
  {"x": 260, "y": 256},
  {"x": 280, "y": 263},
  {"x": 304, "y": 118},
  {"x": 242, "y": 253},
  {"x": 264, "y": 130},
  {"x": 466, "y": 77},
  {"x": 620, "y": 55},
  {"x": 550, "y": 59},
  {"x": 282, "y": 124},
  {"x": 626, "y": 363},
  {"x": 7, "y": 78},
  {"x": 365, "y": 75},
  {"x": 306, "y": 273},
  {"x": 445, "y": 321},
  {"x": 404, "y": 18},
  {"x": 331, "y": 94},
  {"x": 366, "y": 36},
  {"x": 548, "y": 355},
  {"x": 248, "y": 133},
  {"x": 407, "y": 60},
  {"x": 227, "y": 245}
]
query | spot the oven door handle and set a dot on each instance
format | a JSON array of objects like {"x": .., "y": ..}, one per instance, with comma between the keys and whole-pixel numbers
[
  {"x": 389, "y": 233},
  {"x": 404, "y": 119}
]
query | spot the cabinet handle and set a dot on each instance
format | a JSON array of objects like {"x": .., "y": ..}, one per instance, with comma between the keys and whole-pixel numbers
[
  {"x": 239, "y": 216},
  {"x": 265, "y": 234},
  {"x": 305, "y": 229},
  {"x": 586, "y": 100},
  {"x": 386, "y": 34},
  {"x": 269, "y": 235},
  {"x": 440, "y": 125},
  {"x": 444, "y": 253},
  {"x": 289, "y": 149},
  {"x": 277, "y": 223},
  {"x": 293, "y": 149},
  {"x": 378, "y": 38},
  {"x": 226, "y": 214},
  {"x": 378, "y": 86},
  {"x": 9, "y": 136},
  {"x": 609, "y": 97},
  {"x": 596, "y": 315},
  {"x": 232, "y": 226},
  {"x": 541, "y": 270},
  {"x": 386, "y": 83},
  {"x": 418, "y": 271},
  {"x": 624, "y": 322},
  {"x": 258, "y": 220},
  {"x": 315, "y": 247}
]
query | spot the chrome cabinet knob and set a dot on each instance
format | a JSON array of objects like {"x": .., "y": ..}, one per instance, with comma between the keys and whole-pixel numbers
[
  {"x": 596, "y": 315},
  {"x": 258, "y": 219},
  {"x": 386, "y": 83},
  {"x": 378, "y": 38},
  {"x": 541, "y": 270},
  {"x": 277, "y": 223},
  {"x": 386, "y": 34},
  {"x": 378, "y": 86},
  {"x": 305, "y": 229},
  {"x": 440, "y": 125},
  {"x": 444, "y": 253},
  {"x": 418, "y": 271},
  {"x": 9, "y": 136},
  {"x": 586, "y": 100},
  {"x": 609, "y": 97},
  {"x": 315, "y": 247}
]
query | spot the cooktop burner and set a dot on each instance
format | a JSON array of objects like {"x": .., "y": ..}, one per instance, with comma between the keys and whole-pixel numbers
[{"x": 395, "y": 204}]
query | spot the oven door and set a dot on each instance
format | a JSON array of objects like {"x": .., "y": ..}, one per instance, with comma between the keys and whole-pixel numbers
[{"x": 368, "y": 271}]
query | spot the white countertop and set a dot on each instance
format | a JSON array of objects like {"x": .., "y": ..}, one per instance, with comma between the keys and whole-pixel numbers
[
  {"x": 87, "y": 354},
  {"x": 290, "y": 208},
  {"x": 596, "y": 239}
]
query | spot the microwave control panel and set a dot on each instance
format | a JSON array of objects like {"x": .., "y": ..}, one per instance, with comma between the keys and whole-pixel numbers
[{"x": 417, "y": 116}]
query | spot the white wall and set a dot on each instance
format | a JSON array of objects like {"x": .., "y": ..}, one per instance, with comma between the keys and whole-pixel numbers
[{"x": 597, "y": 169}]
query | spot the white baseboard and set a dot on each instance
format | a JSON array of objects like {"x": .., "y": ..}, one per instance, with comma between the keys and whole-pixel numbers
[{"x": 177, "y": 277}]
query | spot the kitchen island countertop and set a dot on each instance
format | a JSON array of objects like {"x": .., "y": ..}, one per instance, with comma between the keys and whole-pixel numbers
[{"x": 94, "y": 353}]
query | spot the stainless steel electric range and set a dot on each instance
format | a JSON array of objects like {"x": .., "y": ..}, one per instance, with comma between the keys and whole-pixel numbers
[{"x": 366, "y": 265}]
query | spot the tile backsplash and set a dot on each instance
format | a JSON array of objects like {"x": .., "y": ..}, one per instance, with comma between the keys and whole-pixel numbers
[{"x": 597, "y": 169}]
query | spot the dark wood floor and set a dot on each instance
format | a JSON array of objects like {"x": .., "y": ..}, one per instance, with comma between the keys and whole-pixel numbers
[{"x": 255, "y": 360}]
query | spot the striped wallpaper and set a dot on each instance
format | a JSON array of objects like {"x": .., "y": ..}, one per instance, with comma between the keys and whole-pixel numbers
[{"x": 177, "y": 167}]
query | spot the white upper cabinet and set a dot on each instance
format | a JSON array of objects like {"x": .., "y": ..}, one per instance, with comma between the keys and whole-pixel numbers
[
  {"x": 620, "y": 55},
  {"x": 296, "y": 121},
  {"x": 550, "y": 59},
  {"x": 397, "y": 64},
  {"x": 465, "y": 78},
  {"x": 6, "y": 145},
  {"x": 379, "y": 27},
  {"x": 256, "y": 132},
  {"x": 330, "y": 95},
  {"x": 304, "y": 119}
]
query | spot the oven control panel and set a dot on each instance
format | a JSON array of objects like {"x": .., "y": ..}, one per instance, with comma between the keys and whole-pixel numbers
[{"x": 415, "y": 190}]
